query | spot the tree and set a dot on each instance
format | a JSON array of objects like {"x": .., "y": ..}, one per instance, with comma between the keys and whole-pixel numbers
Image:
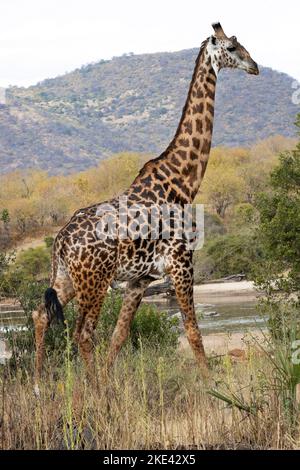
[
  {"x": 5, "y": 219},
  {"x": 6, "y": 259},
  {"x": 279, "y": 233},
  {"x": 223, "y": 184},
  {"x": 223, "y": 188},
  {"x": 263, "y": 157},
  {"x": 32, "y": 264}
]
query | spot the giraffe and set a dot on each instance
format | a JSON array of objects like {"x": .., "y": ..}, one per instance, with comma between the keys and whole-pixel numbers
[{"x": 86, "y": 259}]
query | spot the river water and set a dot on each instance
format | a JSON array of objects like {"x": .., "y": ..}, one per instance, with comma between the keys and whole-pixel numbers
[{"x": 218, "y": 317}]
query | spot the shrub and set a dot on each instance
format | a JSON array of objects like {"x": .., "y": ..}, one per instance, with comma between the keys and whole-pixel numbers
[
  {"x": 232, "y": 254},
  {"x": 278, "y": 272},
  {"x": 49, "y": 242},
  {"x": 34, "y": 263},
  {"x": 213, "y": 225},
  {"x": 154, "y": 328},
  {"x": 6, "y": 259}
]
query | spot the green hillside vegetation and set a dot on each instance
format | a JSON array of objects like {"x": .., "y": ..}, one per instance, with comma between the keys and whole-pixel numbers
[{"x": 132, "y": 103}]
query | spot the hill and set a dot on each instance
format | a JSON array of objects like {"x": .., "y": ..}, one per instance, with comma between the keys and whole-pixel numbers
[{"x": 132, "y": 103}]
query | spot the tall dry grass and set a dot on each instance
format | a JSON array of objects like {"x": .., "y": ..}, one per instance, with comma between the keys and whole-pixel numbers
[{"x": 152, "y": 399}]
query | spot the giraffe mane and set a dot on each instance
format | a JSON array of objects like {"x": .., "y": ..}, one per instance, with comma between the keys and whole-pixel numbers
[{"x": 202, "y": 49}]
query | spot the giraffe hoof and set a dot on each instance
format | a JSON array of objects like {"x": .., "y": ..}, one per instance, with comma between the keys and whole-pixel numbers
[{"x": 205, "y": 370}]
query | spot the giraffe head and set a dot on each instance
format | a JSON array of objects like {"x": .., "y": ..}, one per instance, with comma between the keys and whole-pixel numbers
[{"x": 227, "y": 52}]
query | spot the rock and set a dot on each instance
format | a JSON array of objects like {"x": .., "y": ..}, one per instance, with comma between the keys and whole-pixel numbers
[
  {"x": 177, "y": 315},
  {"x": 200, "y": 306},
  {"x": 4, "y": 353},
  {"x": 211, "y": 314}
]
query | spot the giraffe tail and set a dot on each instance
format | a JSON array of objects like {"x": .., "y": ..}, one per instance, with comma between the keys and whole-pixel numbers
[{"x": 53, "y": 306}]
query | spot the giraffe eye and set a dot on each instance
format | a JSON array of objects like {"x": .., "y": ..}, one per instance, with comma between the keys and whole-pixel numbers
[{"x": 231, "y": 49}]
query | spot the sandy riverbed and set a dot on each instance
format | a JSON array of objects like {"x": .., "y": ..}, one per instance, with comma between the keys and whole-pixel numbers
[
  {"x": 218, "y": 293},
  {"x": 227, "y": 292},
  {"x": 222, "y": 343}
]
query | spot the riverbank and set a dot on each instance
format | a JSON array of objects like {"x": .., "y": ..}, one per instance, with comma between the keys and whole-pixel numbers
[
  {"x": 217, "y": 293},
  {"x": 227, "y": 292},
  {"x": 214, "y": 343}
]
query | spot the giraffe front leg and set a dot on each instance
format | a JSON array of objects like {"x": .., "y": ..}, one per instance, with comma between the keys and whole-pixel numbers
[
  {"x": 182, "y": 276},
  {"x": 131, "y": 302}
]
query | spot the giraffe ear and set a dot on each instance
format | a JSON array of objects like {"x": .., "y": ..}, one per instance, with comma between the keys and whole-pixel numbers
[{"x": 219, "y": 31}]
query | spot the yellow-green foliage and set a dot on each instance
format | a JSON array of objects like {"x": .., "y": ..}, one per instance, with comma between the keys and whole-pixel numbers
[{"x": 37, "y": 202}]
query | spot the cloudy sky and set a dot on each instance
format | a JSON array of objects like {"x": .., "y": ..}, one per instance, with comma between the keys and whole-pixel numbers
[{"x": 44, "y": 38}]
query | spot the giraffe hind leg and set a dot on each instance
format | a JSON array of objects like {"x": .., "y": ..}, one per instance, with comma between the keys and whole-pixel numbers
[
  {"x": 89, "y": 304},
  {"x": 131, "y": 302}
]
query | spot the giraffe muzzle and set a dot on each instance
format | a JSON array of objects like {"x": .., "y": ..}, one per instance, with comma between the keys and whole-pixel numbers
[{"x": 253, "y": 69}]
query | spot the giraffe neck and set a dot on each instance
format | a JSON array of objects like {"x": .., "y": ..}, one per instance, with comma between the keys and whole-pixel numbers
[
  {"x": 188, "y": 153},
  {"x": 175, "y": 176}
]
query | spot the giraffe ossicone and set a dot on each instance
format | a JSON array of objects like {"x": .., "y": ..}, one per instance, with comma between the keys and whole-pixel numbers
[{"x": 86, "y": 259}]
